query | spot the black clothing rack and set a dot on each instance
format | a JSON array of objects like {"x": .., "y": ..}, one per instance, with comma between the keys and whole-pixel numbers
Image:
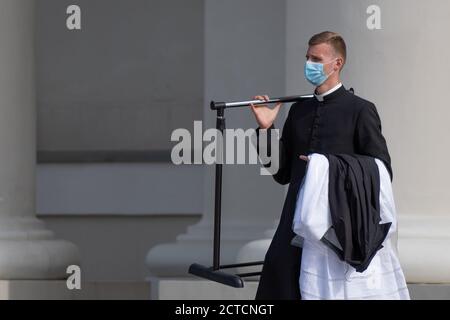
[{"x": 214, "y": 272}]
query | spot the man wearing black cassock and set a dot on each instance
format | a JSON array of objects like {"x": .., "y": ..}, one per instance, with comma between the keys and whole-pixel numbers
[{"x": 333, "y": 121}]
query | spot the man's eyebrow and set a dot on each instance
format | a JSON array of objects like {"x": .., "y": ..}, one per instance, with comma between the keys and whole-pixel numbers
[{"x": 312, "y": 56}]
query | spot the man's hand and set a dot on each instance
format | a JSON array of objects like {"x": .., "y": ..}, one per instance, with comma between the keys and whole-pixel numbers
[
  {"x": 304, "y": 158},
  {"x": 263, "y": 114}
]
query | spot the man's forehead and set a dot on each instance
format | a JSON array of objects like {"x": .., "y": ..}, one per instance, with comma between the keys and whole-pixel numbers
[{"x": 319, "y": 50}]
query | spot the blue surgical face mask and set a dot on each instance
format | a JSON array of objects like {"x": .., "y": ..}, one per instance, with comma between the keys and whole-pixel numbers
[{"x": 315, "y": 74}]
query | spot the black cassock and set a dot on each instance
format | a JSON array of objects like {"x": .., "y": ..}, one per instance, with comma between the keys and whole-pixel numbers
[{"x": 342, "y": 123}]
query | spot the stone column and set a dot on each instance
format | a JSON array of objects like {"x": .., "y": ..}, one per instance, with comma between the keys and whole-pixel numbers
[
  {"x": 244, "y": 56},
  {"x": 27, "y": 249}
]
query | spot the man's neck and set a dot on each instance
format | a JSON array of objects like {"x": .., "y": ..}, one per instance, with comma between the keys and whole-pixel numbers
[
  {"x": 320, "y": 97},
  {"x": 328, "y": 85}
]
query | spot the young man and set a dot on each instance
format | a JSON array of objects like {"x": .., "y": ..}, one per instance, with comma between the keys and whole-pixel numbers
[{"x": 334, "y": 121}]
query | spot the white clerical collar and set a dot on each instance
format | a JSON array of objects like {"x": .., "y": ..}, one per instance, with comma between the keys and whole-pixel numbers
[{"x": 320, "y": 96}]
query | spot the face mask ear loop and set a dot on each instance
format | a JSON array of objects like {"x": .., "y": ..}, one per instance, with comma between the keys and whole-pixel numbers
[{"x": 333, "y": 70}]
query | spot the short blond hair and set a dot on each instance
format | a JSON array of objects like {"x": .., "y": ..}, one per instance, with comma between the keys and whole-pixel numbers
[{"x": 334, "y": 39}]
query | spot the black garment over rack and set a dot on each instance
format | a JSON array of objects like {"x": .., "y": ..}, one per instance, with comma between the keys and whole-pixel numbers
[{"x": 354, "y": 198}]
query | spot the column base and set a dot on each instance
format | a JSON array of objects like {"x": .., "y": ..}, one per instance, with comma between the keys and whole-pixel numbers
[
  {"x": 37, "y": 259},
  {"x": 28, "y": 251},
  {"x": 422, "y": 243},
  {"x": 196, "y": 246}
]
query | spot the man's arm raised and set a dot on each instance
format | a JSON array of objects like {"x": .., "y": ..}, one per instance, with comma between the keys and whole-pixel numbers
[{"x": 265, "y": 118}]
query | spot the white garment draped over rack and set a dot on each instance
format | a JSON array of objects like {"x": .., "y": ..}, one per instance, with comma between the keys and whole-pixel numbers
[{"x": 323, "y": 275}]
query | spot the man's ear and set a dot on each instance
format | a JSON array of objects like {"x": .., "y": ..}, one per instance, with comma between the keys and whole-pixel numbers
[{"x": 340, "y": 63}]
